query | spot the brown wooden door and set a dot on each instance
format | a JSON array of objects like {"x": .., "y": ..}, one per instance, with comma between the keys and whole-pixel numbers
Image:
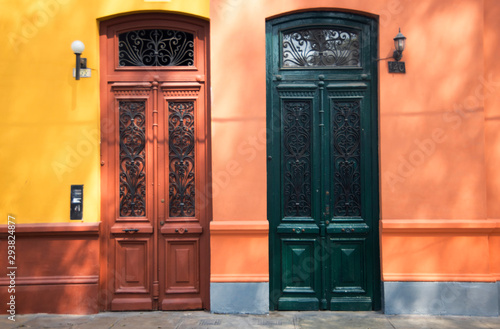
[{"x": 155, "y": 163}]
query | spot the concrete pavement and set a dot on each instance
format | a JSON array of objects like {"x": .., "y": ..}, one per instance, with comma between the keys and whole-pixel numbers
[{"x": 278, "y": 320}]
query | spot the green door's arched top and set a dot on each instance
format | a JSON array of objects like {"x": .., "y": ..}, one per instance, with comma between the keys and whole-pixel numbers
[
  {"x": 328, "y": 46},
  {"x": 322, "y": 40}
]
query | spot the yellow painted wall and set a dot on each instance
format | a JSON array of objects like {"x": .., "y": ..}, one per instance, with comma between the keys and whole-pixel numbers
[{"x": 50, "y": 133}]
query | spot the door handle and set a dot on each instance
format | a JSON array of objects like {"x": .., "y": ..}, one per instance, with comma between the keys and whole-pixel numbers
[{"x": 131, "y": 230}]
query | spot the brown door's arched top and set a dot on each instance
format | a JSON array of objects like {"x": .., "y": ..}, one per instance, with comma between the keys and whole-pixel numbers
[
  {"x": 166, "y": 43},
  {"x": 155, "y": 47}
]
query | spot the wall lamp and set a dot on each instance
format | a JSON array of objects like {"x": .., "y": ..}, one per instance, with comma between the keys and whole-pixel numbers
[
  {"x": 399, "y": 44},
  {"x": 81, "y": 63}
]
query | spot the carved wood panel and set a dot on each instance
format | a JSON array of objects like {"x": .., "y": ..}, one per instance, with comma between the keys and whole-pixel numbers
[
  {"x": 132, "y": 266},
  {"x": 297, "y": 121},
  {"x": 346, "y": 140},
  {"x": 132, "y": 158},
  {"x": 349, "y": 266},
  {"x": 181, "y": 266},
  {"x": 299, "y": 264},
  {"x": 181, "y": 136}
]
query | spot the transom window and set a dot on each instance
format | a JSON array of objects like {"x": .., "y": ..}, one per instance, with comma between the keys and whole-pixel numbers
[
  {"x": 317, "y": 47},
  {"x": 156, "y": 47}
]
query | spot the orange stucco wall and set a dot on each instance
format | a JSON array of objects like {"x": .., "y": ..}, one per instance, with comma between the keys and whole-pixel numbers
[
  {"x": 436, "y": 170},
  {"x": 439, "y": 250},
  {"x": 492, "y": 127}
]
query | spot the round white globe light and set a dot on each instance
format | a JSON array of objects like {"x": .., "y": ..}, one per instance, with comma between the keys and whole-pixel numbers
[{"x": 78, "y": 47}]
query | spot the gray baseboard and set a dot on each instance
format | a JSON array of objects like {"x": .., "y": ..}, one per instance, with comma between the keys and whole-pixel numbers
[
  {"x": 239, "y": 297},
  {"x": 442, "y": 298},
  {"x": 498, "y": 285}
]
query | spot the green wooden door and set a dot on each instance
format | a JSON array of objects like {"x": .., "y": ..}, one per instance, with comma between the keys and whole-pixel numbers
[{"x": 322, "y": 162}]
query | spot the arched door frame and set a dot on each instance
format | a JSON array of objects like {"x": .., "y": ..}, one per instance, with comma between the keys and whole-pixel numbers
[
  {"x": 155, "y": 240},
  {"x": 318, "y": 285}
]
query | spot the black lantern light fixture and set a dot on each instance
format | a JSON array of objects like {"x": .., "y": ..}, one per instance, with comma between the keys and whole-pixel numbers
[
  {"x": 399, "y": 44},
  {"x": 78, "y": 47}
]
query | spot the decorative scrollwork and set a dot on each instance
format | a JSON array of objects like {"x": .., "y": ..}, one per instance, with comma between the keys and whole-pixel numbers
[
  {"x": 132, "y": 158},
  {"x": 346, "y": 158},
  {"x": 297, "y": 158},
  {"x": 156, "y": 47},
  {"x": 181, "y": 159},
  {"x": 321, "y": 47}
]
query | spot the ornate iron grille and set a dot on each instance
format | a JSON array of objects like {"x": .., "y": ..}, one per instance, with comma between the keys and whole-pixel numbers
[
  {"x": 346, "y": 158},
  {"x": 156, "y": 48},
  {"x": 321, "y": 47},
  {"x": 297, "y": 158},
  {"x": 181, "y": 159},
  {"x": 132, "y": 158}
]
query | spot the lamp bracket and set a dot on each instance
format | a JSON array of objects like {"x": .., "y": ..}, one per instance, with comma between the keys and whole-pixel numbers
[{"x": 397, "y": 55}]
